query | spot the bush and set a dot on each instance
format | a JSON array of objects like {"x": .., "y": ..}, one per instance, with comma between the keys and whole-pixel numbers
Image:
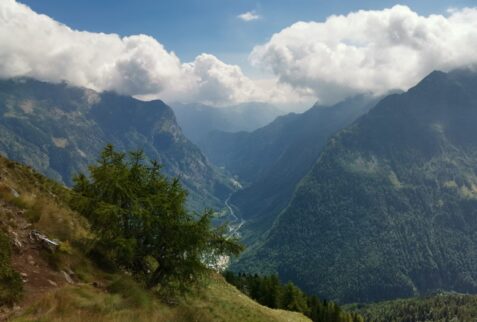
[{"x": 11, "y": 284}]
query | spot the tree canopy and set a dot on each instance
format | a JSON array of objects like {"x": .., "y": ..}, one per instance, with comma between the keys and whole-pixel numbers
[{"x": 141, "y": 224}]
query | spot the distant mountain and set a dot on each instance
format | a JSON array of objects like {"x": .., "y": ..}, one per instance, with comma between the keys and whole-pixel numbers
[
  {"x": 390, "y": 208},
  {"x": 59, "y": 130},
  {"x": 198, "y": 120},
  {"x": 271, "y": 160}
]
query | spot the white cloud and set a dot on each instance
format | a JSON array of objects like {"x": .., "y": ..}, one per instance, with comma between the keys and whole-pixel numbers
[
  {"x": 249, "y": 16},
  {"x": 365, "y": 51},
  {"x": 37, "y": 46},
  {"x": 369, "y": 50}
]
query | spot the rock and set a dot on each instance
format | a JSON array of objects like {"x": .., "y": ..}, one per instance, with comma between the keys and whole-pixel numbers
[
  {"x": 14, "y": 192},
  {"x": 26, "y": 226},
  {"x": 52, "y": 283},
  {"x": 67, "y": 277},
  {"x": 51, "y": 245},
  {"x": 17, "y": 244},
  {"x": 98, "y": 284},
  {"x": 24, "y": 275},
  {"x": 30, "y": 260}
]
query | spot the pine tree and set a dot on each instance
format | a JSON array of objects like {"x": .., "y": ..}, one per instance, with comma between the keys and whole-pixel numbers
[{"x": 141, "y": 224}]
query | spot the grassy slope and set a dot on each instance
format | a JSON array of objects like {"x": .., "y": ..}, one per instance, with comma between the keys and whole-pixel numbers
[
  {"x": 95, "y": 295},
  {"x": 219, "y": 301}
]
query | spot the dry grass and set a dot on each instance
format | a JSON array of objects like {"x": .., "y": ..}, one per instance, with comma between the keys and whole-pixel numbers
[
  {"x": 44, "y": 201},
  {"x": 219, "y": 301}
]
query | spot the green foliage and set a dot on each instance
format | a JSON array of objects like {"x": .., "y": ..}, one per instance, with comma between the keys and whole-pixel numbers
[
  {"x": 141, "y": 224},
  {"x": 268, "y": 291},
  {"x": 439, "y": 308},
  {"x": 11, "y": 284}
]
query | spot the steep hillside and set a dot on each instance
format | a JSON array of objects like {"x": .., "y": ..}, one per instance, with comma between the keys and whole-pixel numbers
[
  {"x": 271, "y": 160},
  {"x": 59, "y": 130},
  {"x": 65, "y": 285},
  {"x": 197, "y": 120},
  {"x": 390, "y": 208}
]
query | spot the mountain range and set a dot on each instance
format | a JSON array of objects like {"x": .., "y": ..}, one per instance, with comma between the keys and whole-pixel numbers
[
  {"x": 198, "y": 120},
  {"x": 271, "y": 160},
  {"x": 389, "y": 209},
  {"x": 59, "y": 129},
  {"x": 370, "y": 199}
]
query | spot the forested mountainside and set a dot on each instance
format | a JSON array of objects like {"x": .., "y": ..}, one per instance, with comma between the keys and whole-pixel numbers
[
  {"x": 198, "y": 120},
  {"x": 438, "y": 307},
  {"x": 270, "y": 161},
  {"x": 390, "y": 208},
  {"x": 59, "y": 129}
]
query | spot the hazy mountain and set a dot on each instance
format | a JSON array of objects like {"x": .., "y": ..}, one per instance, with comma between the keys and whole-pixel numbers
[
  {"x": 59, "y": 130},
  {"x": 197, "y": 120},
  {"x": 390, "y": 208},
  {"x": 271, "y": 160}
]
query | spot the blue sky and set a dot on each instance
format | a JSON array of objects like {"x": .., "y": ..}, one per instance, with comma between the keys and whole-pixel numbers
[{"x": 191, "y": 27}]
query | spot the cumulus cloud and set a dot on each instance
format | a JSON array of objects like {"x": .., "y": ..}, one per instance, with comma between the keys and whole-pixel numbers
[
  {"x": 37, "y": 46},
  {"x": 364, "y": 51},
  {"x": 369, "y": 51},
  {"x": 249, "y": 16}
]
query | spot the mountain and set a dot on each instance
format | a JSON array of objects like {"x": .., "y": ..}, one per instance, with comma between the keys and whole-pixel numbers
[
  {"x": 67, "y": 283},
  {"x": 390, "y": 208},
  {"x": 60, "y": 129},
  {"x": 270, "y": 161},
  {"x": 198, "y": 120}
]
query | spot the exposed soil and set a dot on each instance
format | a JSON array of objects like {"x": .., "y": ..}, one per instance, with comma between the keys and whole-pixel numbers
[{"x": 28, "y": 259}]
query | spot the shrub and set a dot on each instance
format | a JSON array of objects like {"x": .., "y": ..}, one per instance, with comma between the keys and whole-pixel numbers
[{"x": 11, "y": 284}]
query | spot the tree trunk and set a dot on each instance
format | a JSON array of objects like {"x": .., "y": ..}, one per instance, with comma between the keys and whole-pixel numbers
[{"x": 155, "y": 278}]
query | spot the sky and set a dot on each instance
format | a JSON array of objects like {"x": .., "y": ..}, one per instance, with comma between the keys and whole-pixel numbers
[
  {"x": 192, "y": 27},
  {"x": 223, "y": 52}
]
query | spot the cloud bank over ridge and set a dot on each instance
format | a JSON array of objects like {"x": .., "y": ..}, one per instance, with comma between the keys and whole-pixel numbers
[
  {"x": 37, "y": 46},
  {"x": 364, "y": 51},
  {"x": 369, "y": 51}
]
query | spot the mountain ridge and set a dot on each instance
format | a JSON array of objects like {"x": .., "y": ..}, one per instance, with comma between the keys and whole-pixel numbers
[
  {"x": 391, "y": 196},
  {"x": 59, "y": 129},
  {"x": 271, "y": 160}
]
